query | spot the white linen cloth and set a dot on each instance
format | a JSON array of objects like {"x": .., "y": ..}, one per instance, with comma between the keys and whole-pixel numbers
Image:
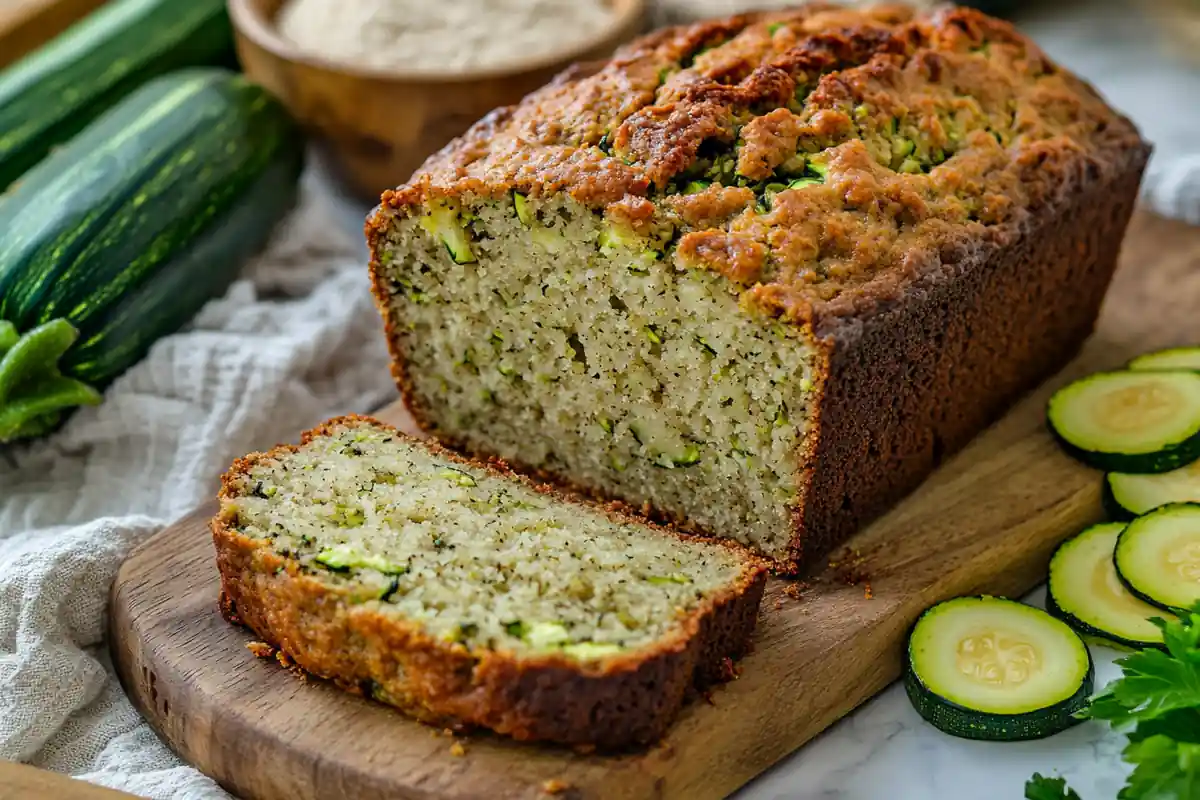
[{"x": 295, "y": 341}]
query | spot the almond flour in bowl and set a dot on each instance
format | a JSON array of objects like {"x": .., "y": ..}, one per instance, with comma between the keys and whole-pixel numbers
[{"x": 440, "y": 34}]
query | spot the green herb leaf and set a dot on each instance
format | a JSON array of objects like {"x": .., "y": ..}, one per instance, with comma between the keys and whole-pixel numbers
[
  {"x": 8, "y": 336},
  {"x": 1155, "y": 683},
  {"x": 1159, "y": 696},
  {"x": 1165, "y": 769},
  {"x": 36, "y": 410},
  {"x": 1040, "y": 787}
]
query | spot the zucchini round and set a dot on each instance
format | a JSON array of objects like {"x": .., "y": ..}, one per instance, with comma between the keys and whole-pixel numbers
[
  {"x": 56, "y": 91},
  {"x": 1085, "y": 592},
  {"x": 1134, "y": 422},
  {"x": 1130, "y": 496},
  {"x": 1175, "y": 358},
  {"x": 1158, "y": 556},
  {"x": 130, "y": 228},
  {"x": 995, "y": 669}
]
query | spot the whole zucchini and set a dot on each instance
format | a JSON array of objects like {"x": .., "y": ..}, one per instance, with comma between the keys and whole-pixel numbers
[
  {"x": 55, "y": 91},
  {"x": 123, "y": 234}
]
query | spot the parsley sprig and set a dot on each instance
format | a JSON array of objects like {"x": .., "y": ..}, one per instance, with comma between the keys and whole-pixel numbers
[
  {"x": 1157, "y": 700},
  {"x": 1043, "y": 788}
]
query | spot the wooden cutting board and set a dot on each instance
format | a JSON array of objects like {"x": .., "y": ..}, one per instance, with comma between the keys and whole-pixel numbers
[
  {"x": 20, "y": 782},
  {"x": 986, "y": 522},
  {"x": 26, "y": 24}
]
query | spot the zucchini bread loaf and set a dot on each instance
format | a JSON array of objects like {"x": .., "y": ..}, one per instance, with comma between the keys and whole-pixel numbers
[
  {"x": 465, "y": 595},
  {"x": 759, "y": 275}
]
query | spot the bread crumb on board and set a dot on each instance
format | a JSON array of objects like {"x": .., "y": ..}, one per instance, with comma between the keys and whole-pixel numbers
[
  {"x": 796, "y": 590},
  {"x": 260, "y": 649},
  {"x": 457, "y": 749},
  {"x": 555, "y": 786},
  {"x": 264, "y": 650}
]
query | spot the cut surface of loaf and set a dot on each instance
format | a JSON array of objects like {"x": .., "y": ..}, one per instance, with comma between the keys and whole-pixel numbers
[
  {"x": 759, "y": 275},
  {"x": 463, "y": 594}
]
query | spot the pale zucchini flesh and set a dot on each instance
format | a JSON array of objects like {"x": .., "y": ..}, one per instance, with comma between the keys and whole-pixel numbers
[
  {"x": 1135, "y": 422},
  {"x": 1158, "y": 556},
  {"x": 1175, "y": 358},
  {"x": 1086, "y": 593},
  {"x": 989, "y": 668},
  {"x": 1134, "y": 495}
]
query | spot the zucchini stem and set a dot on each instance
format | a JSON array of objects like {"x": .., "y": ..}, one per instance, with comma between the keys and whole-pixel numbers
[{"x": 34, "y": 394}]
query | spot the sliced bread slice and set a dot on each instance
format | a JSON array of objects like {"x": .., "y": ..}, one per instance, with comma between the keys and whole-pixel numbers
[{"x": 466, "y": 595}]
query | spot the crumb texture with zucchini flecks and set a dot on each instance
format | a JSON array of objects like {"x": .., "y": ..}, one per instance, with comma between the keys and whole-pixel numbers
[
  {"x": 763, "y": 273},
  {"x": 462, "y": 593}
]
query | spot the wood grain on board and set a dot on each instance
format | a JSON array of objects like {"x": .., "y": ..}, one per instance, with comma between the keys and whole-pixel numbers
[
  {"x": 27, "y": 24},
  {"x": 19, "y": 782},
  {"x": 986, "y": 522}
]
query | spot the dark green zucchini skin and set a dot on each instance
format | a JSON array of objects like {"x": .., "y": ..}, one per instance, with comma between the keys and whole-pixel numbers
[
  {"x": 1093, "y": 633},
  {"x": 129, "y": 229},
  {"x": 1139, "y": 594},
  {"x": 1112, "y": 507},
  {"x": 55, "y": 92},
  {"x": 1166, "y": 460},
  {"x": 967, "y": 723}
]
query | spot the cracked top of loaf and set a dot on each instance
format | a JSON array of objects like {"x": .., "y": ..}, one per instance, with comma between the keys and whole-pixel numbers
[{"x": 821, "y": 159}]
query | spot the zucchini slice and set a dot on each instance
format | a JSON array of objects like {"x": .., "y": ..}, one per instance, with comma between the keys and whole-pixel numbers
[
  {"x": 1085, "y": 592},
  {"x": 1129, "y": 496},
  {"x": 1135, "y": 422},
  {"x": 1158, "y": 556},
  {"x": 1176, "y": 358},
  {"x": 994, "y": 669}
]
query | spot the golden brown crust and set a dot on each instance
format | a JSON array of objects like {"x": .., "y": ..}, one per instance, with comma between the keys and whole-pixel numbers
[
  {"x": 997, "y": 132},
  {"x": 622, "y": 701}
]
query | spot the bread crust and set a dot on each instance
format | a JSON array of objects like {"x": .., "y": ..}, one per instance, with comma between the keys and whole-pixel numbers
[
  {"x": 936, "y": 299},
  {"x": 619, "y": 137},
  {"x": 624, "y": 701},
  {"x": 911, "y": 385}
]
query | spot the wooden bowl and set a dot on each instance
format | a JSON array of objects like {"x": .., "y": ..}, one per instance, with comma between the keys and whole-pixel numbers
[{"x": 377, "y": 126}]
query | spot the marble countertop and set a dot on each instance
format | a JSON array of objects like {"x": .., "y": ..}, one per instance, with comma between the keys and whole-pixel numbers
[{"x": 884, "y": 751}]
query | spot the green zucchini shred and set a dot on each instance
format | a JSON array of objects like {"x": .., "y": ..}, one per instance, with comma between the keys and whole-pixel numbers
[
  {"x": 343, "y": 558},
  {"x": 665, "y": 580},
  {"x": 547, "y": 635},
  {"x": 690, "y": 457},
  {"x": 445, "y": 221},
  {"x": 458, "y": 476},
  {"x": 585, "y": 651},
  {"x": 346, "y": 517},
  {"x": 818, "y": 167}
]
